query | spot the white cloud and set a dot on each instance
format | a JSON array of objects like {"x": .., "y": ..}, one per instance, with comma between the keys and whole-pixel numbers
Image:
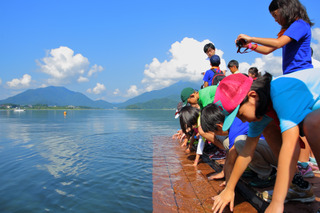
[
  {"x": 132, "y": 91},
  {"x": 186, "y": 63},
  {"x": 116, "y": 92},
  {"x": 316, "y": 47},
  {"x": 97, "y": 89},
  {"x": 95, "y": 68},
  {"x": 0, "y": 81},
  {"x": 82, "y": 79},
  {"x": 267, "y": 63},
  {"x": 20, "y": 83},
  {"x": 61, "y": 64}
]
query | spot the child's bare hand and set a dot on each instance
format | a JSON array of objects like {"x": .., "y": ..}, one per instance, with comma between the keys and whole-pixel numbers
[
  {"x": 245, "y": 37},
  {"x": 222, "y": 200}
]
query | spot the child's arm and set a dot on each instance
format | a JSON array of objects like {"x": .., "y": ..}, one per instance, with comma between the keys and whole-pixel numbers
[
  {"x": 242, "y": 162},
  {"x": 210, "y": 136},
  {"x": 288, "y": 158},
  {"x": 199, "y": 152},
  {"x": 269, "y": 44}
]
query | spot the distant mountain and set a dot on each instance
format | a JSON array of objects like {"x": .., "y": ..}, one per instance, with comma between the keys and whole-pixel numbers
[
  {"x": 163, "y": 103},
  {"x": 172, "y": 91},
  {"x": 59, "y": 96}
]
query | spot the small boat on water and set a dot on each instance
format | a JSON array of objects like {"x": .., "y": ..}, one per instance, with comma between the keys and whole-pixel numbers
[{"x": 19, "y": 110}]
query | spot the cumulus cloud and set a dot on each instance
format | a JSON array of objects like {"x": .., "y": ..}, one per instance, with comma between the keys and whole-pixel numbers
[
  {"x": 82, "y": 79},
  {"x": 95, "y": 68},
  {"x": 132, "y": 91},
  {"x": 116, "y": 92},
  {"x": 266, "y": 63},
  {"x": 186, "y": 63},
  {"x": 316, "y": 47},
  {"x": 20, "y": 83},
  {"x": 97, "y": 89},
  {"x": 62, "y": 64}
]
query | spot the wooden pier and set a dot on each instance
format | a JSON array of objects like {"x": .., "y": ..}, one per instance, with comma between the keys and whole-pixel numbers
[{"x": 178, "y": 186}]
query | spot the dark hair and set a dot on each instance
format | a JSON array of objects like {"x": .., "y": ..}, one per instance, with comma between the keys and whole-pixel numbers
[
  {"x": 207, "y": 46},
  {"x": 233, "y": 63},
  {"x": 211, "y": 115},
  {"x": 290, "y": 11},
  {"x": 188, "y": 116},
  {"x": 262, "y": 87},
  {"x": 254, "y": 71}
]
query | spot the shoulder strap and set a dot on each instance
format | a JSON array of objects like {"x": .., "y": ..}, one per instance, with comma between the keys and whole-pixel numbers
[{"x": 216, "y": 70}]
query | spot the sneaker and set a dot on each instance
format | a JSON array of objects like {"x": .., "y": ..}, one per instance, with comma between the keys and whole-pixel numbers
[
  {"x": 218, "y": 155},
  {"x": 295, "y": 193},
  {"x": 299, "y": 181},
  {"x": 305, "y": 170},
  {"x": 314, "y": 167},
  {"x": 313, "y": 160}
]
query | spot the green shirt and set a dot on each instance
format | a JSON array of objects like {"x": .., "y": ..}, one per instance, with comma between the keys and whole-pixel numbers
[{"x": 206, "y": 96}]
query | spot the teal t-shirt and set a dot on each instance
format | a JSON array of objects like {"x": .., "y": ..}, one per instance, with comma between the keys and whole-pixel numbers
[{"x": 295, "y": 95}]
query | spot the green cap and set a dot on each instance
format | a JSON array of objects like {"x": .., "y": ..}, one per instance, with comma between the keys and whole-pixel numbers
[{"x": 185, "y": 94}]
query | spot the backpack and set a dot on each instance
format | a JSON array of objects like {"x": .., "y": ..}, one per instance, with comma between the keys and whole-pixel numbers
[{"x": 218, "y": 76}]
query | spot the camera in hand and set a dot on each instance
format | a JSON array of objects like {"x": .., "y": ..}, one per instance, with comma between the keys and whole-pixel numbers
[{"x": 241, "y": 42}]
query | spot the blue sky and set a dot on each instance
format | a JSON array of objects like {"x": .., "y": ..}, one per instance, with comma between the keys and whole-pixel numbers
[{"x": 115, "y": 50}]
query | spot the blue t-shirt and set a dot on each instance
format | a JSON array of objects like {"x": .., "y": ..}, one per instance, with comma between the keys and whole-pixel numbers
[
  {"x": 296, "y": 55},
  {"x": 208, "y": 77},
  {"x": 237, "y": 128},
  {"x": 295, "y": 95}
]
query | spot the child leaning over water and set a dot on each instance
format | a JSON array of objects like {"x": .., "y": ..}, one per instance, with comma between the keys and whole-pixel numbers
[
  {"x": 296, "y": 101},
  {"x": 200, "y": 99},
  {"x": 263, "y": 159}
]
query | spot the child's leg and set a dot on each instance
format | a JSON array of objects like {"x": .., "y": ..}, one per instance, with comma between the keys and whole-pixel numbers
[
  {"x": 272, "y": 134},
  {"x": 262, "y": 158},
  {"x": 305, "y": 153},
  {"x": 311, "y": 130}
]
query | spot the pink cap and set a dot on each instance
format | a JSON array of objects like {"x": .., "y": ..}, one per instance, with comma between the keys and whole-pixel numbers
[{"x": 230, "y": 93}]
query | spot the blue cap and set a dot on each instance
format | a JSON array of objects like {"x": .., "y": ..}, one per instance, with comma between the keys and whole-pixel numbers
[{"x": 215, "y": 60}]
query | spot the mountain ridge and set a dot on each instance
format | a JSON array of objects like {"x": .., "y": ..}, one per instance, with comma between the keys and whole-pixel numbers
[{"x": 61, "y": 96}]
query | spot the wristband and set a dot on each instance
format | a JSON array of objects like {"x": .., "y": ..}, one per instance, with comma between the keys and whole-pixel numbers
[
  {"x": 249, "y": 45},
  {"x": 255, "y": 47}
]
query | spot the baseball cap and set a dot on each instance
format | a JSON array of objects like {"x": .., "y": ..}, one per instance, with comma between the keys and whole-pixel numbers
[
  {"x": 185, "y": 94},
  {"x": 215, "y": 60},
  {"x": 231, "y": 91}
]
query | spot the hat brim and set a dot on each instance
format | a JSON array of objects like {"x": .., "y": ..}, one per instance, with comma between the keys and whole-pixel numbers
[{"x": 230, "y": 118}]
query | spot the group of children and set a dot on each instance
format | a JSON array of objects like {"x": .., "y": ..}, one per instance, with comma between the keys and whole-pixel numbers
[{"x": 263, "y": 122}]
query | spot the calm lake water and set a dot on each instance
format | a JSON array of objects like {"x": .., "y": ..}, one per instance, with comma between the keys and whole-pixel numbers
[{"x": 86, "y": 161}]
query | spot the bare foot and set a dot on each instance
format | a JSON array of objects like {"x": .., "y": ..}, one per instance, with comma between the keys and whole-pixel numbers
[{"x": 216, "y": 176}]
